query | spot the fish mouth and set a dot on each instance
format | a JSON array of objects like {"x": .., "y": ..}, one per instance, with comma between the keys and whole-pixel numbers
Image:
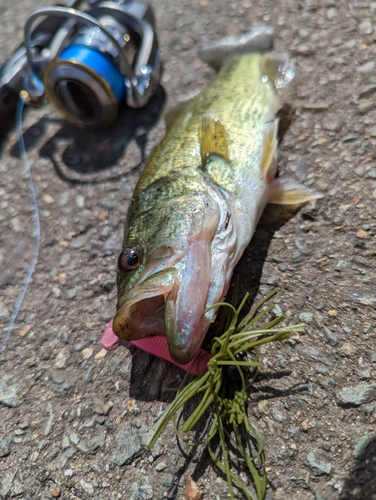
[
  {"x": 170, "y": 302},
  {"x": 141, "y": 312}
]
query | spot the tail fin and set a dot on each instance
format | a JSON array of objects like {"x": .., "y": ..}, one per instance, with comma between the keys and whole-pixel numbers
[{"x": 259, "y": 39}]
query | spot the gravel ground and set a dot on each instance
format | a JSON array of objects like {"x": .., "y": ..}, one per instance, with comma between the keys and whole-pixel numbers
[{"x": 73, "y": 421}]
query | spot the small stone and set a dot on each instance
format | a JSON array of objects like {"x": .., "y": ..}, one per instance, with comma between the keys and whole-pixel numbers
[
  {"x": 4, "y": 311},
  {"x": 320, "y": 466},
  {"x": 5, "y": 446},
  {"x": 87, "y": 487},
  {"x": 330, "y": 336},
  {"x": 277, "y": 415},
  {"x": 79, "y": 241},
  {"x": 47, "y": 198},
  {"x": 367, "y": 67},
  {"x": 365, "y": 27},
  {"x": 365, "y": 107},
  {"x": 334, "y": 124},
  {"x": 371, "y": 174},
  {"x": 68, "y": 473},
  {"x": 101, "y": 354},
  {"x": 61, "y": 359},
  {"x": 361, "y": 234},
  {"x": 8, "y": 391},
  {"x": 142, "y": 490},
  {"x": 161, "y": 466},
  {"x": 356, "y": 395},
  {"x": 112, "y": 244},
  {"x": 128, "y": 446},
  {"x": 332, "y": 313},
  {"x": 75, "y": 439},
  {"x": 56, "y": 492},
  {"x": 368, "y": 411},
  {"x": 306, "y": 317},
  {"x": 80, "y": 201},
  {"x": 93, "y": 444},
  {"x": 87, "y": 353},
  {"x": 304, "y": 426},
  {"x": 361, "y": 445},
  {"x": 348, "y": 349},
  {"x": 341, "y": 265},
  {"x": 101, "y": 408}
]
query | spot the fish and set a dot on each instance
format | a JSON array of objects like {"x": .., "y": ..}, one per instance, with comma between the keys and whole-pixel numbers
[{"x": 200, "y": 196}]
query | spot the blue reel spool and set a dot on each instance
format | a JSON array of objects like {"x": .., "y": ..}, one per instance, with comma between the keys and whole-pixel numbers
[{"x": 85, "y": 85}]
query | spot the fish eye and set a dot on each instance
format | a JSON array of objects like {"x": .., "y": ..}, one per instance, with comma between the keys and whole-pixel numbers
[{"x": 130, "y": 259}]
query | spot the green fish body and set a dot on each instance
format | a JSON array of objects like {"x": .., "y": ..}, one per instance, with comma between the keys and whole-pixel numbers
[{"x": 198, "y": 201}]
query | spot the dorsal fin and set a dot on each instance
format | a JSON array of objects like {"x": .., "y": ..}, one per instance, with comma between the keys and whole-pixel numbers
[{"x": 213, "y": 140}]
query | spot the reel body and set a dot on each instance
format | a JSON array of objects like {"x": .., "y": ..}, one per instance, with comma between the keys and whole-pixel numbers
[{"x": 86, "y": 63}]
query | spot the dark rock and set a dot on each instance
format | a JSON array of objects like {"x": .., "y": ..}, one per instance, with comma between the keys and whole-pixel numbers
[
  {"x": 350, "y": 397},
  {"x": 128, "y": 446},
  {"x": 8, "y": 391},
  {"x": 320, "y": 466},
  {"x": 142, "y": 490},
  {"x": 334, "y": 124}
]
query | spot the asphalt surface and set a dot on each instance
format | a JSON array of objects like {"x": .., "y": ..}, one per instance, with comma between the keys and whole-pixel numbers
[{"x": 73, "y": 421}]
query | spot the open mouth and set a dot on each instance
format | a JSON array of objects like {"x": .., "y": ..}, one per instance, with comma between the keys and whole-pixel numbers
[{"x": 141, "y": 313}]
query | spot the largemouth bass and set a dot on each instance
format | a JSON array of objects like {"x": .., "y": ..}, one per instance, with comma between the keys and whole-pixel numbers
[{"x": 199, "y": 198}]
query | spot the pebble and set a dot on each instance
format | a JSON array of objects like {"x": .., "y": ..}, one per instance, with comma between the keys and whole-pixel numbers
[
  {"x": 128, "y": 445},
  {"x": 341, "y": 265},
  {"x": 306, "y": 317},
  {"x": 75, "y": 438},
  {"x": 87, "y": 353},
  {"x": 5, "y": 446},
  {"x": 361, "y": 445},
  {"x": 50, "y": 419},
  {"x": 348, "y": 349},
  {"x": 277, "y": 415},
  {"x": 61, "y": 359},
  {"x": 365, "y": 107},
  {"x": 142, "y": 490},
  {"x": 365, "y": 27},
  {"x": 161, "y": 466},
  {"x": 112, "y": 244},
  {"x": 93, "y": 444},
  {"x": 68, "y": 473},
  {"x": 56, "y": 492},
  {"x": 330, "y": 336},
  {"x": 320, "y": 466},
  {"x": 334, "y": 124},
  {"x": 79, "y": 241},
  {"x": 87, "y": 487},
  {"x": 101, "y": 354},
  {"x": 4, "y": 311},
  {"x": 101, "y": 408},
  {"x": 356, "y": 395},
  {"x": 8, "y": 391},
  {"x": 367, "y": 67},
  {"x": 368, "y": 411},
  {"x": 371, "y": 174}
]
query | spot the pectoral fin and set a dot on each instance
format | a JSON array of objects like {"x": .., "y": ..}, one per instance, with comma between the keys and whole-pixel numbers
[
  {"x": 213, "y": 140},
  {"x": 289, "y": 192}
]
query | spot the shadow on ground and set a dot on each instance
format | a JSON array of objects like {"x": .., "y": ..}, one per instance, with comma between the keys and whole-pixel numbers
[
  {"x": 361, "y": 483},
  {"x": 79, "y": 155}
]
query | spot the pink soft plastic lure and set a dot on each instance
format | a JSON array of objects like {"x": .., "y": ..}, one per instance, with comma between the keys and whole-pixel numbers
[{"x": 158, "y": 346}]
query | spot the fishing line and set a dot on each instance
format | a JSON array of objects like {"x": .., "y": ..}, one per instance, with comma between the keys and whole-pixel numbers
[{"x": 35, "y": 209}]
